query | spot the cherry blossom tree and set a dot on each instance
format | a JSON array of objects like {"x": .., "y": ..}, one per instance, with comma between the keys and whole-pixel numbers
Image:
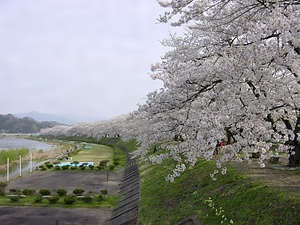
[
  {"x": 234, "y": 74},
  {"x": 122, "y": 126}
]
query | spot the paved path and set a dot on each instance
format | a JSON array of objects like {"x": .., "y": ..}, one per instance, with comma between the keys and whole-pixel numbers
[{"x": 53, "y": 216}]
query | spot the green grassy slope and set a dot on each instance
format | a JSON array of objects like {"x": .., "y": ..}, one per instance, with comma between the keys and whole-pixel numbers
[{"x": 234, "y": 197}]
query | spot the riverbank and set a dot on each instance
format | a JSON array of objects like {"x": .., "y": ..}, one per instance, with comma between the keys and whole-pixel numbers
[
  {"x": 53, "y": 151},
  {"x": 36, "y": 156}
]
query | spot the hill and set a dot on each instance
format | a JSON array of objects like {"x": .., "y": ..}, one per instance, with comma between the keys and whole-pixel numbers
[
  {"x": 41, "y": 117},
  {"x": 26, "y": 125},
  {"x": 68, "y": 119}
]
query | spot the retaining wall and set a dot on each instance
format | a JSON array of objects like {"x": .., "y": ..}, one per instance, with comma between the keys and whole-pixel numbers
[{"x": 127, "y": 211}]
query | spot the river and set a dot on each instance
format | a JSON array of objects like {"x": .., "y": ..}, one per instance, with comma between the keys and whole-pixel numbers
[{"x": 16, "y": 143}]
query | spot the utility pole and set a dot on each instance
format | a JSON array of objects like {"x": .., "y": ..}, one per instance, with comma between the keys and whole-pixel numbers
[{"x": 7, "y": 170}]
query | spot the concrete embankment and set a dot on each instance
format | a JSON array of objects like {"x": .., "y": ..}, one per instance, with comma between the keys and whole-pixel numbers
[{"x": 127, "y": 211}]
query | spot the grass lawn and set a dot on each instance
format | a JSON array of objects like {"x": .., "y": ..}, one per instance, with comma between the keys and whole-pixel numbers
[{"x": 96, "y": 154}]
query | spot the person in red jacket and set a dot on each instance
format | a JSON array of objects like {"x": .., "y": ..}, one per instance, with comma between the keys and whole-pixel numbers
[
  {"x": 219, "y": 145},
  {"x": 222, "y": 143}
]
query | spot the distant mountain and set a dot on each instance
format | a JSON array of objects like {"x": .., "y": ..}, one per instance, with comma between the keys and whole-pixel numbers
[
  {"x": 41, "y": 117},
  {"x": 27, "y": 125},
  {"x": 64, "y": 119}
]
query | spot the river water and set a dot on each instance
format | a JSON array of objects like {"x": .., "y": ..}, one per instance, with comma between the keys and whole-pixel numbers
[{"x": 16, "y": 143}]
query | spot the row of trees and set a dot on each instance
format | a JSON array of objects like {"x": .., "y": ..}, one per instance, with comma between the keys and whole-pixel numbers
[{"x": 234, "y": 74}]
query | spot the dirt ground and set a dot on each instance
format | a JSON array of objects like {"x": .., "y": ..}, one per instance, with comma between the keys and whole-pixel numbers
[
  {"x": 277, "y": 175},
  {"x": 70, "y": 180}
]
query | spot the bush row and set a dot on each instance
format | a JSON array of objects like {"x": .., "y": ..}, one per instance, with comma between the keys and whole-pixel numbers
[
  {"x": 44, "y": 192},
  {"x": 68, "y": 199},
  {"x": 101, "y": 166}
]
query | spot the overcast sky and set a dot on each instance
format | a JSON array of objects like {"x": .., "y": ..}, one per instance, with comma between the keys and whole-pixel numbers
[{"x": 85, "y": 57}]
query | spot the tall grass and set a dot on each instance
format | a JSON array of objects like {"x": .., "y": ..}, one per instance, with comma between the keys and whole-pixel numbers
[{"x": 12, "y": 154}]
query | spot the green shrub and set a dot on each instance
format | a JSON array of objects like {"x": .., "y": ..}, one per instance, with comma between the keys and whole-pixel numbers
[
  {"x": 78, "y": 191},
  {"x": 38, "y": 198},
  {"x": 3, "y": 185},
  {"x": 15, "y": 191},
  {"x": 91, "y": 167},
  {"x": 87, "y": 199},
  {"x": 116, "y": 161},
  {"x": 61, "y": 192},
  {"x": 100, "y": 198},
  {"x": 111, "y": 167},
  {"x": 65, "y": 167},
  {"x": 15, "y": 198},
  {"x": 45, "y": 191},
  {"x": 82, "y": 168},
  {"x": 43, "y": 167},
  {"x": 103, "y": 163},
  {"x": 73, "y": 167},
  {"x": 53, "y": 199},
  {"x": 28, "y": 191},
  {"x": 101, "y": 167},
  {"x": 104, "y": 192},
  {"x": 70, "y": 199},
  {"x": 57, "y": 168},
  {"x": 49, "y": 165}
]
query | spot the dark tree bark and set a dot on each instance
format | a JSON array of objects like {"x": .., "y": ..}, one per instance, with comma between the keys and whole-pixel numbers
[{"x": 294, "y": 154}]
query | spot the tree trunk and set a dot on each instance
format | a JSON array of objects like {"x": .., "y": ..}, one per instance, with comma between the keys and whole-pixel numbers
[
  {"x": 294, "y": 154},
  {"x": 294, "y": 160},
  {"x": 230, "y": 136}
]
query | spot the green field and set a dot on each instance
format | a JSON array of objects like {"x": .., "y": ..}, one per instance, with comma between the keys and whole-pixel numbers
[{"x": 96, "y": 154}]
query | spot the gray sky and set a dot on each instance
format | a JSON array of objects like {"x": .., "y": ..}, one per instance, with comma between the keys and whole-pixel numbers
[{"x": 84, "y": 57}]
